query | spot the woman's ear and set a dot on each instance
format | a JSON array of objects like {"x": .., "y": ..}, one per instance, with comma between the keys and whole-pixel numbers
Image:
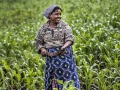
[{"x": 49, "y": 16}]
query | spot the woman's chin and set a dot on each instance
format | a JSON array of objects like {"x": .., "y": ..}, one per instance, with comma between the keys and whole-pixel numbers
[{"x": 57, "y": 21}]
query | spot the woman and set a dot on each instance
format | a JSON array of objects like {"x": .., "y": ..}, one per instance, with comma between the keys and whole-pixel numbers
[{"x": 54, "y": 41}]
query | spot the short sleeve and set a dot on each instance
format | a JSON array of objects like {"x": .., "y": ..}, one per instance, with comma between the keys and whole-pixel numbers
[
  {"x": 39, "y": 40},
  {"x": 68, "y": 34}
]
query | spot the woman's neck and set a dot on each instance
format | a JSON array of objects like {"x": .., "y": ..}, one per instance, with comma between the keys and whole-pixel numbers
[{"x": 52, "y": 24}]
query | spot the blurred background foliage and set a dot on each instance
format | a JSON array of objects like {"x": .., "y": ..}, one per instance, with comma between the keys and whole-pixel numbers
[{"x": 96, "y": 29}]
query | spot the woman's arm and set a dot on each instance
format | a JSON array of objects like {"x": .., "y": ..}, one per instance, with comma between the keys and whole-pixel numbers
[
  {"x": 40, "y": 43},
  {"x": 67, "y": 44}
]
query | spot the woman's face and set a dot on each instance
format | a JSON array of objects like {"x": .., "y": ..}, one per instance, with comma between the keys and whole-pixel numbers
[{"x": 55, "y": 16}]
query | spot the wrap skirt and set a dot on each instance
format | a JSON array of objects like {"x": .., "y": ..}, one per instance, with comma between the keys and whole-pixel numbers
[{"x": 61, "y": 67}]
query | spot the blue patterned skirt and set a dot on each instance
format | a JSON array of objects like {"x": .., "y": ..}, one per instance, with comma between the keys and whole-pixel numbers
[{"x": 61, "y": 68}]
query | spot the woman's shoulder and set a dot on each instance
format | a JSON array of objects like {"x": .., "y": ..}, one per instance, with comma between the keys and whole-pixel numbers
[
  {"x": 43, "y": 27},
  {"x": 64, "y": 23}
]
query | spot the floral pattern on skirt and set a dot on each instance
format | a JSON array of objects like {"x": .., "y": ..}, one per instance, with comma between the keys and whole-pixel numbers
[{"x": 61, "y": 68}]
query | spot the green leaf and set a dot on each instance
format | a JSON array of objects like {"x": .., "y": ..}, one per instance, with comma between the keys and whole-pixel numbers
[
  {"x": 5, "y": 65},
  {"x": 60, "y": 81}
]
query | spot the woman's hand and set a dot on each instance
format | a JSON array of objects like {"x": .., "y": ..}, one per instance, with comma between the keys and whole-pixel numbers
[
  {"x": 62, "y": 50},
  {"x": 43, "y": 52},
  {"x": 67, "y": 44}
]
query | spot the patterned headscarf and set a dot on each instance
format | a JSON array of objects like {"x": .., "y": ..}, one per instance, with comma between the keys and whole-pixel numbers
[{"x": 49, "y": 10}]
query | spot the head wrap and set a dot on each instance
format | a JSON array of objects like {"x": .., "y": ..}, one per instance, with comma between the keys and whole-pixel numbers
[{"x": 49, "y": 10}]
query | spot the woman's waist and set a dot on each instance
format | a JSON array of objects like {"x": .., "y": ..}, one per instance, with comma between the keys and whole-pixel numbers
[
  {"x": 56, "y": 51},
  {"x": 53, "y": 48},
  {"x": 57, "y": 48}
]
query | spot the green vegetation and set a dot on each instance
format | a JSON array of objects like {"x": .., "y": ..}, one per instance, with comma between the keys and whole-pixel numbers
[{"x": 96, "y": 27}]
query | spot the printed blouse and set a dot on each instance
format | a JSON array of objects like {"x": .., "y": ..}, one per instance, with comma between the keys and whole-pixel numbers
[{"x": 55, "y": 37}]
